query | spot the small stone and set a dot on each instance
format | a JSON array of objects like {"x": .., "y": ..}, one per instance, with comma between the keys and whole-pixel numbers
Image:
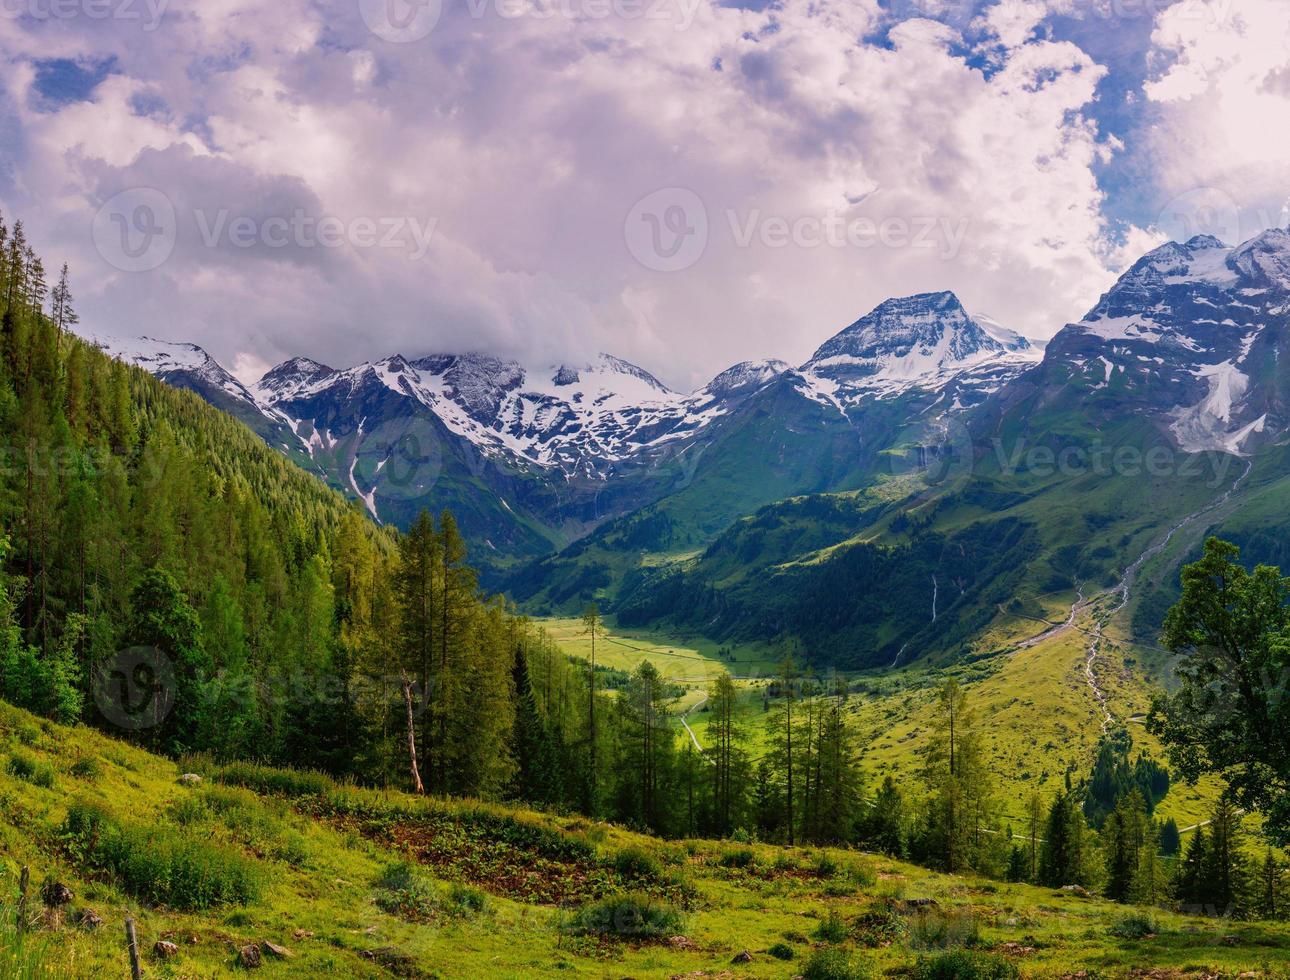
[
  {"x": 303, "y": 934},
  {"x": 273, "y": 949},
  {"x": 164, "y": 950},
  {"x": 190, "y": 779},
  {"x": 742, "y": 957},
  {"x": 1079, "y": 890},
  {"x": 88, "y": 919},
  {"x": 56, "y": 893},
  {"x": 249, "y": 957}
]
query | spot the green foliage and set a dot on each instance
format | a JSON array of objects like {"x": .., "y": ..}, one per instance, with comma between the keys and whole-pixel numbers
[
  {"x": 1230, "y": 714},
  {"x": 939, "y": 929},
  {"x": 781, "y": 951},
  {"x": 635, "y": 863},
  {"x": 403, "y": 890},
  {"x": 959, "y": 964},
  {"x": 832, "y": 929},
  {"x": 631, "y": 916},
  {"x": 276, "y": 781},
  {"x": 834, "y": 964},
  {"x": 740, "y": 857},
  {"x": 87, "y": 768},
  {"x": 32, "y": 770},
  {"x": 1134, "y": 927},
  {"x": 158, "y": 865}
]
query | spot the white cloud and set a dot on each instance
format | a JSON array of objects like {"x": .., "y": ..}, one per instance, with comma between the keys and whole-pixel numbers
[
  {"x": 1222, "y": 94},
  {"x": 529, "y": 139}
]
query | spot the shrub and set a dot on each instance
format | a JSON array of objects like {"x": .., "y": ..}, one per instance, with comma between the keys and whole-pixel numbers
[
  {"x": 282, "y": 782},
  {"x": 1134, "y": 927},
  {"x": 784, "y": 862},
  {"x": 742, "y": 857},
  {"x": 781, "y": 951},
  {"x": 28, "y": 769},
  {"x": 87, "y": 767},
  {"x": 959, "y": 964},
  {"x": 158, "y": 865},
  {"x": 833, "y": 964},
  {"x": 466, "y": 902},
  {"x": 935, "y": 929},
  {"x": 404, "y": 892},
  {"x": 861, "y": 873},
  {"x": 825, "y": 866},
  {"x": 28, "y": 735},
  {"x": 637, "y": 863},
  {"x": 631, "y": 916},
  {"x": 832, "y": 929},
  {"x": 188, "y": 810}
]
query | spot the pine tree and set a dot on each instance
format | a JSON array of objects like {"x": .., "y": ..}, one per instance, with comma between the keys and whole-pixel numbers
[
  {"x": 780, "y": 729},
  {"x": 1064, "y": 858},
  {"x": 728, "y": 762},
  {"x": 61, "y": 310},
  {"x": 957, "y": 782},
  {"x": 885, "y": 826},
  {"x": 1271, "y": 903},
  {"x": 1226, "y": 870},
  {"x": 591, "y": 624}
]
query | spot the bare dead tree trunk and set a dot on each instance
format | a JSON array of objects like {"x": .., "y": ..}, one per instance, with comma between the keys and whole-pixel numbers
[{"x": 417, "y": 785}]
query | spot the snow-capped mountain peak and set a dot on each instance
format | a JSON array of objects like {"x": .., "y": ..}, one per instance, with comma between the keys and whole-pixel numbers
[
  {"x": 926, "y": 341},
  {"x": 169, "y": 360},
  {"x": 743, "y": 377}
]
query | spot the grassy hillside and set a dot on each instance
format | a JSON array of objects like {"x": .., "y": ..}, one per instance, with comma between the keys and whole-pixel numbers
[{"x": 368, "y": 884}]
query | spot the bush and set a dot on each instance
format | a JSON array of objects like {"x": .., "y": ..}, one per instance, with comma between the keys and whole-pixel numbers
[
  {"x": 833, "y": 964},
  {"x": 1135, "y": 927},
  {"x": 406, "y": 893},
  {"x": 784, "y": 863},
  {"x": 742, "y": 857},
  {"x": 87, "y": 767},
  {"x": 631, "y": 916},
  {"x": 281, "y": 782},
  {"x": 466, "y": 902},
  {"x": 943, "y": 930},
  {"x": 28, "y": 769},
  {"x": 637, "y": 863},
  {"x": 781, "y": 951},
  {"x": 157, "y": 865},
  {"x": 832, "y": 929},
  {"x": 959, "y": 964},
  {"x": 825, "y": 866}
]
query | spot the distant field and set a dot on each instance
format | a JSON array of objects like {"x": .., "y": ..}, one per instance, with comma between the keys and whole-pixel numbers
[
  {"x": 1035, "y": 708},
  {"x": 685, "y": 659}
]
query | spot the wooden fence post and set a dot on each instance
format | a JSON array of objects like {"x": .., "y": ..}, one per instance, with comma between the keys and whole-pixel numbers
[
  {"x": 132, "y": 943},
  {"x": 24, "y": 879}
]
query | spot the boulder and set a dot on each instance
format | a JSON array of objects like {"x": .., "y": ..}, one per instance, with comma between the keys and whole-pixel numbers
[
  {"x": 249, "y": 957},
  {"x": 163, "y": 950}
]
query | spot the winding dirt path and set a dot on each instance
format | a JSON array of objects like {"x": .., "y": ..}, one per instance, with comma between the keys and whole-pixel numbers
[{"x": 1122, "y": 589}]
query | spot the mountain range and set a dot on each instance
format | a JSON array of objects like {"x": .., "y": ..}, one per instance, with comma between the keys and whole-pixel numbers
[{"x": 916, "y": 422}]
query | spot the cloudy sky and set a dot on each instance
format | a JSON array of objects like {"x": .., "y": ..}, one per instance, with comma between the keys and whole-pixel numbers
[{"x": 680, "y": 182}]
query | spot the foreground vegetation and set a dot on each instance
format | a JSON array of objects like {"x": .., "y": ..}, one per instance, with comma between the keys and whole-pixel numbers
[{"x": 365, "y": 883}]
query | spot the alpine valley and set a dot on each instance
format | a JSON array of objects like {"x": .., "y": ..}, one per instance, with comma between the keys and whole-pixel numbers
[{"x": 917, "y": 470}]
